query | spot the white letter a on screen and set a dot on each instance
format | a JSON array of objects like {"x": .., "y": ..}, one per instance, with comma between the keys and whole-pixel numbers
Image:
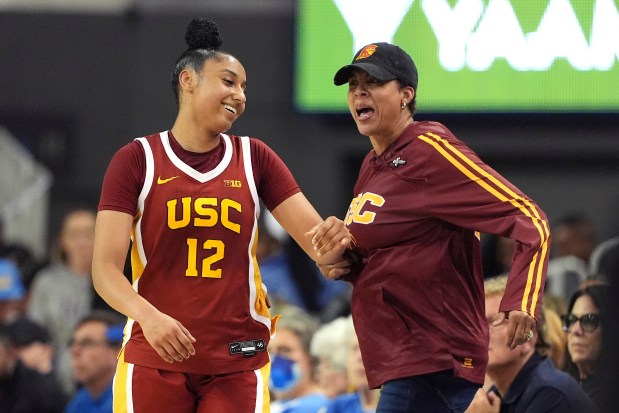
[{"x": 371, "y": 22}]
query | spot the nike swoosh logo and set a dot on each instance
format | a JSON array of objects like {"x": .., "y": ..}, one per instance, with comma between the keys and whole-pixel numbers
[{"x": 163, "y": 181}]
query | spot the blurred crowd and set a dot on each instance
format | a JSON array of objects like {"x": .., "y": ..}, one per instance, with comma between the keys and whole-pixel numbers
[{"x": 59, "y": 341}]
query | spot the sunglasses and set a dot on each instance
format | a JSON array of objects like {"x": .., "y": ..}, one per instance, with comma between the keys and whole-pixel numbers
[{"x": 588, "y": 322}]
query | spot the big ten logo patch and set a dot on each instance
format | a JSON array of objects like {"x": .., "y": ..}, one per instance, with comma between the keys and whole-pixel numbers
[{"x": 232, "y": 183}]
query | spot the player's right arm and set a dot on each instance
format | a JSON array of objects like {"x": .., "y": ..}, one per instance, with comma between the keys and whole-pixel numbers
[
  {"x": 123, "y": 181},
  {"x": 166, "y": 335}
]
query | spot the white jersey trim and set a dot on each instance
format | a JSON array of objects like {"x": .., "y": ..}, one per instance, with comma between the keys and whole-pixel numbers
[
  {"x": 198, "y": 176},
  {"x": 259, "y": 391},
  {"x": 249, "y": 175},
  {"x": 130, "y": 387},
  {"x": 148, "y": 183}
]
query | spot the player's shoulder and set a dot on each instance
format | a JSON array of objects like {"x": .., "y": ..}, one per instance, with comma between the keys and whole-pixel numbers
[
  {"x": 253, "y": 141},
  {"x": 257, "y": 145},
  {"x": 150, "y": 138},
  {"x": 130, "y": 152},
  {"x": 154, "y": 135},
  {"x": 135, "y": 145}
]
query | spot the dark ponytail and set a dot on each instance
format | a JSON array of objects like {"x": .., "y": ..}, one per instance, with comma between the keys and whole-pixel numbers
[{"x": 204, "y": 43}]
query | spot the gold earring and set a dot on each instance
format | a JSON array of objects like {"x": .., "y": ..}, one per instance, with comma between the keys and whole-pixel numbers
[{"x": 403, "y": 105}]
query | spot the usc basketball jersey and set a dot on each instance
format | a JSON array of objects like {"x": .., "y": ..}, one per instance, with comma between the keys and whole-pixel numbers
[{"x": 193, "y": 257}]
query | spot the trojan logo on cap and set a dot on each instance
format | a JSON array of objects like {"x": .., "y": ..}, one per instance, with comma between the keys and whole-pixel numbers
[
  {"x": 383, "y": 61},
  {"x": 367, "y": 51}
]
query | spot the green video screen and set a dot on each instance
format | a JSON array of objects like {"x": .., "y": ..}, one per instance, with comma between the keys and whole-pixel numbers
[{"x": 472, "y": 55}]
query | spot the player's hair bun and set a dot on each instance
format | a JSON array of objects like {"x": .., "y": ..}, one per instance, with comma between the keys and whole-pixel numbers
[{"x": 203, "y": 33}]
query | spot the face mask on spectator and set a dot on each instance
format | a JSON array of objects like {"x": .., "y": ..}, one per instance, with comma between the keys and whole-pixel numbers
[{"x": 285, "y": 374}]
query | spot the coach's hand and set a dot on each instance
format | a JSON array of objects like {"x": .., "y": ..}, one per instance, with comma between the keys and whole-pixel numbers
[
  {"x": 520, "y": 328},
  {"x": 337, "y": 269},
  {"x": 170, "y": 339}
]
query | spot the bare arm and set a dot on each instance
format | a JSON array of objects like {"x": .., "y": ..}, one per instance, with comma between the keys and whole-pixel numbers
[
  {"x": 299, "y": 219},
  {"x": 167, "y": 336}
]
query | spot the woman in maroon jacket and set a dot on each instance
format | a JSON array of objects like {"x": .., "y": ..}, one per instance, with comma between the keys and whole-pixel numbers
[{"x": 421, "y": 200}]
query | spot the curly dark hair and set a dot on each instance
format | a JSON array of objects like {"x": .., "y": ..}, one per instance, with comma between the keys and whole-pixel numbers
[{"x": 203, "y": 43}]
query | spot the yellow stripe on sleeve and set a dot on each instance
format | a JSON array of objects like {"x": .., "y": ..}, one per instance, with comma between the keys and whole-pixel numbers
[{"x": 499, "y": 190}]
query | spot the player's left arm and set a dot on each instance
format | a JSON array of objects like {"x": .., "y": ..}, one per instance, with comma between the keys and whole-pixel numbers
[{"x": 324, "y": 241}]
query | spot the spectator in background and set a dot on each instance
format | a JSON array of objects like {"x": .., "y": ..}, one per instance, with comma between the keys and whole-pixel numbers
[
  {"x": 94, "y": 347},
  {"x": 553, "y": 334},
  {"x": 24, "y": 390},
  {"x": 293, "y": 385},
  {"x": 574, "y": 235},
  {"x": 524, "y": 380},
  {"x": 584, "y": 326},
  {"x": 22, "y": 256},
  {"x": 62, "y": 293},
  {"x": 362, "y": 399},
  {"x": 330, "y": 347},
  {"x": 12, "y": 291},
  {"x": 574, "y": 238},
  {"x": 33, "y": 344},
  {"x": 604, "y": 258}
]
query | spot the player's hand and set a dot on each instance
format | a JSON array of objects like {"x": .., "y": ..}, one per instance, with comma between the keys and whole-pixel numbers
[
  {"x": 330, "y": 239},
  {"x": 336, "y": 269},
  {"x": 520, "y": 329},
  {"x": 170, "y": 339},
  {"x": 484, "y": 403}
]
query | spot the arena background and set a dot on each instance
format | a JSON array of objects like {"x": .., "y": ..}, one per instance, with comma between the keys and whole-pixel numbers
[{"x": 80, "y": 79}]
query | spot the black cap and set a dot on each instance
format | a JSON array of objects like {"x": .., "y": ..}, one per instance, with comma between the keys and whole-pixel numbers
[
  {"x": 24, "y": 332},
  {"x": 384, "y": 61}
]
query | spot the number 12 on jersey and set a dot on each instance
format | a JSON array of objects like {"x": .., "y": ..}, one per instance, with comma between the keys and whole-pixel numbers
[{"x": 208, "y": 271}]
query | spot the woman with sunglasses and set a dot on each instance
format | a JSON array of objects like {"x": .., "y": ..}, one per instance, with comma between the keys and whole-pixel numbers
[{"x": 583, "y": 326}]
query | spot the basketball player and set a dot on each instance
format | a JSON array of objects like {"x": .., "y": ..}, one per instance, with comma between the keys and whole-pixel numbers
[{"x": 198, "y": 313}]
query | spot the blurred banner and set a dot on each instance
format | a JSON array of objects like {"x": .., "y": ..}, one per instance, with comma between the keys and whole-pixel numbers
[{"x": 472, "y": 55}]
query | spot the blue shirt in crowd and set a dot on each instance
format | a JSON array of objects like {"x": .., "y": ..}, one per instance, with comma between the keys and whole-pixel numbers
[
  {"x": 347, "y": 403},
  {"x": 312, "y": 403},
  {"x": 83, "y": 402}
]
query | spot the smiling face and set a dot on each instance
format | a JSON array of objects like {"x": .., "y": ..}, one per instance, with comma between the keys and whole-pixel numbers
[
  {"x": 376, "y": 106},
  {"x": 215, "y": 97}
]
